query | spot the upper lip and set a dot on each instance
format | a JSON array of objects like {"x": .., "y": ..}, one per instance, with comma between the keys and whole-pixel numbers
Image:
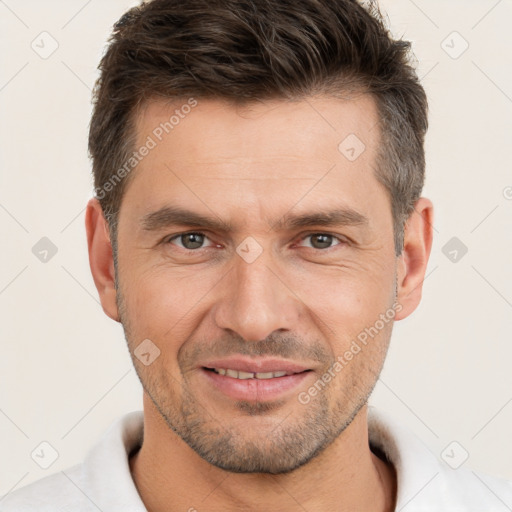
[{"x": 256, "y": 365}]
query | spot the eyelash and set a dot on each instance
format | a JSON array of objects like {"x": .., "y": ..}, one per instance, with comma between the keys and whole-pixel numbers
[{"x": 341, "y": 241}]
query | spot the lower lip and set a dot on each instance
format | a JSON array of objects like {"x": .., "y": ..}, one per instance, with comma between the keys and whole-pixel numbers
[{"x": 255, "y": 390}]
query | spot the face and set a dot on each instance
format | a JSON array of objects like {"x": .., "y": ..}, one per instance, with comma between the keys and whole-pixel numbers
[{"x": 256, "y": 254}]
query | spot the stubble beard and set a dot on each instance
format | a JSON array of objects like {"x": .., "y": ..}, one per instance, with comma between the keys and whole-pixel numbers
[{"x": 293, "y": 442}]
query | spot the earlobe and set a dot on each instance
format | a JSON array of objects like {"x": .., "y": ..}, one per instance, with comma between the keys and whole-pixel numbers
[
  {"x": 101, "y": 259},
  {"x": 412, "y": 263}
]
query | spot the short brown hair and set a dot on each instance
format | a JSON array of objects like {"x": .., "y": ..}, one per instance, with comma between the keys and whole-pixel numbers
[{"x": 248, "y": 50}]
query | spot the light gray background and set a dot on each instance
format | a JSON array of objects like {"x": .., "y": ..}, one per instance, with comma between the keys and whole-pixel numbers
[{"x": 65, "y": 373}]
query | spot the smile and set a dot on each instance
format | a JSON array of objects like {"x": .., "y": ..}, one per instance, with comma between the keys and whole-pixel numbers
[
  {"x": 236, "y": 374},
  {"x": 247, "y": 379}
]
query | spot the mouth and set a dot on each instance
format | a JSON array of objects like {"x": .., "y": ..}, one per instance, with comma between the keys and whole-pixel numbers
[{"x": 252, "y": 380}]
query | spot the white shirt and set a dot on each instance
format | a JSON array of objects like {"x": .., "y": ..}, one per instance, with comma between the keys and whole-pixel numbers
[{"x": 103, "y": 481}]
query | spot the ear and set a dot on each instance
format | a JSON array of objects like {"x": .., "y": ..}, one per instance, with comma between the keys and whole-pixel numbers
[
  {"x": 412, "y": 263},
  {"x": 101, "y": 259}
]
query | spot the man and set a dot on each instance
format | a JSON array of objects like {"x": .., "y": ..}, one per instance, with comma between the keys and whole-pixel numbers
[{"x": 257, "y": 228}]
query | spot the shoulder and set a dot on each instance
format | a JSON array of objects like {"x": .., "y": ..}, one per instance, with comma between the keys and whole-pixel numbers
[
  {"x": 475, "y": 490},
  {"x": 460, "y": 490},
  {"x": 59, "y": 492},
  {"x": 427, "y": 483},
  {"x": 102, "y": 482}
]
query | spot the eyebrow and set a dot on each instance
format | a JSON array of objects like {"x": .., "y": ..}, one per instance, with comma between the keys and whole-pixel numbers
[{"x": 168, "y": 216}]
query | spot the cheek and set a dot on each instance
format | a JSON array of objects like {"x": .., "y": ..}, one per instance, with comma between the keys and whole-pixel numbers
[
  {"x": 346, "y": 303},
  {"x": 161, "y": 301}
]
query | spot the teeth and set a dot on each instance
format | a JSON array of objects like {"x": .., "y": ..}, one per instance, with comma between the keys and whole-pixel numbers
[
  {"x": 248, "y": 375},
  {"x": 264, "y": 375}
]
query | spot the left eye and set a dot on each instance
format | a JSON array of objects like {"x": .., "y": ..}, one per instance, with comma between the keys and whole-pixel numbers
[
  {"x": 189, "y": 241},
  {"x": 322, "y": 240}
]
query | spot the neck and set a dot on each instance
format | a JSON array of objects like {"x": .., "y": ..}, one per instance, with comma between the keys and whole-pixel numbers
[{"x": 346, "y": 476}]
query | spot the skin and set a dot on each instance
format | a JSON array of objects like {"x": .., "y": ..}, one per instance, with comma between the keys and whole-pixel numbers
[{"x": 299, "y": 300}]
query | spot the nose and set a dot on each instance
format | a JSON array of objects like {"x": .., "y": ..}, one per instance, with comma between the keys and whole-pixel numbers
[{"x": 257, "y": 300}]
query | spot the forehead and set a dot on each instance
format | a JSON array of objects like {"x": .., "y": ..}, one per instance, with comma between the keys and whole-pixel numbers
[
  {"x": 215, "y": 156},
  {"x": 268, "y": 129}
]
